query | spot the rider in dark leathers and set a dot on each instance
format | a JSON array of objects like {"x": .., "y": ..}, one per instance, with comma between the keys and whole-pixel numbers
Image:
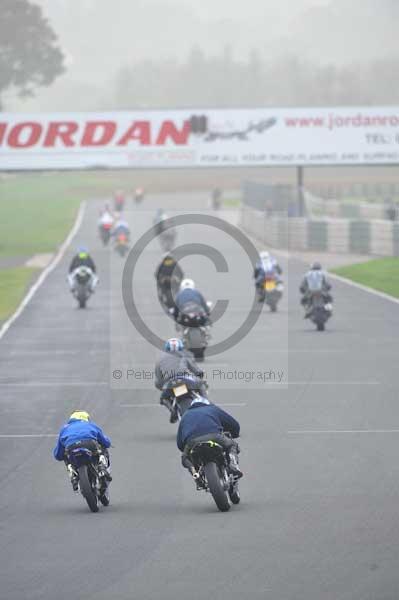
[
  {"x": 82, "y": 259},
  {"x": 314, "y": 278},
  {"x": 168, "y": 267},
  {"x": 204, "y": 421},
  {"x": 173, "y": 363},
  {"x": 188, "y": 297},
  {"x": 169, "y": 276}
]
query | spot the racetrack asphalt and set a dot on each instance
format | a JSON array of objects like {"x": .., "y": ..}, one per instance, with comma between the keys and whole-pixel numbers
[{"x": 319, "y": 513}]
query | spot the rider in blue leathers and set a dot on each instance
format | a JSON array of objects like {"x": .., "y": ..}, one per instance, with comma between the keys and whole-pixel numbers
[
  {"x": 121, "y": 226},
  {"x": 188, "y": 295},
  {"x": 81, "y": 430}
]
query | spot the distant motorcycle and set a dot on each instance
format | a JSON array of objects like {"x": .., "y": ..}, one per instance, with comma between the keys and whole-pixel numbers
[
  {"x": 119, "y": 201},
  {"x": 90, "y": 473},
  {"x": 167, "y": 288},
  {"x": 271, "y": 291},
  {"x": 320, "y": 310},
  {"x": 138, "y": 195},
  {"x": 105, "y": 233},
  {"x": 81, "y": 288},
  {"x": 121, "y": 244},
  {"x": 212, "y": 473},
  {"x": 194, "y": 323},
  {"x": 167, "y": 239},
  {"x": 179, "y": 393}
]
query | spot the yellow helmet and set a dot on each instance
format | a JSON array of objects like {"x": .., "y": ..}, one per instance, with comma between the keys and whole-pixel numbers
[{"x": 80, "y": 415}]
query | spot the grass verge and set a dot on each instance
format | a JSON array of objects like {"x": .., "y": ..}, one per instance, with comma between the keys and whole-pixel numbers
[
  {"x": 38, "y": 210},
  {"x": 381, "y": 274},
  {"x": 232, "y": 202},
  {"x": 13, "y": 285}
]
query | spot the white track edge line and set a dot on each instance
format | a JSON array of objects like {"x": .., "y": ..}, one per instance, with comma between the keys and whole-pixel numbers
[
  {"x": 28, "y": 435},
  {"x": 46, "y": 271},
  {"x": 154, "y": 405},
  {"x": 364, "y": 288},
  {"x": 336, "y": 431}
]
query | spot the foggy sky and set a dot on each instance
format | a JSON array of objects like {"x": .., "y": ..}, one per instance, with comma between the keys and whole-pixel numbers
[{"x": 100, "y": 37}]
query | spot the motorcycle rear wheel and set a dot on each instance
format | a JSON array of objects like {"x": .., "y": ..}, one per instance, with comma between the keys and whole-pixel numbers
[
  {"x": 183, "y": 405},
  {"x": 199, "y": 353},
  {"x": 216, "y": 487},
  {"x": 86, "y": 489}
]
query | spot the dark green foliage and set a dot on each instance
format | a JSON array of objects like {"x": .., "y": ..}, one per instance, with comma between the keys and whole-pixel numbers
[{"x": 29, "y": 51}]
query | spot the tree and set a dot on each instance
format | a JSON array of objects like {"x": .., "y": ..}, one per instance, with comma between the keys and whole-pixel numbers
[{"x": 29, "y": 53}]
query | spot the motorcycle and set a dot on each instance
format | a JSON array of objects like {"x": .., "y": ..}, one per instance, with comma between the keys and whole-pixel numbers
[
  {"x": 92, "y": 483},
  {"x": 138, "y": 195},
  {"x": 167, "y": 239},
  {"x": 272, "y": 291},
  {"x": 195, "y": 330},
  {"x": 211, "y": 473},
  {"x": 119, "y": 202},
  {"x": 321, "y": 310},
  {"x": 81, "y": 289},
  {"x": 105, "y": 233},
  {"x": 167, "y": 288},
  {"x": 122, "y": 244},
  {"x": 179, "y": 393}
]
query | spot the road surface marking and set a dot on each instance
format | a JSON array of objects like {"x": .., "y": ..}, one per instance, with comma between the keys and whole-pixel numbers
[
  {"x": 53, "y": 352},
  {"x": 337, "y": 431},
  {"x": 364, "y": 288},
  {"x": 328, "y": 383},
  {"x": 157, "y": 405},
  {"x": 51, "y": 383},
  {"x": 28, "y": 435}
]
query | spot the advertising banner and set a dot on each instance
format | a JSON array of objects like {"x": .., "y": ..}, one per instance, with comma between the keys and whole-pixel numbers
[{"x": 200, "y": 138}]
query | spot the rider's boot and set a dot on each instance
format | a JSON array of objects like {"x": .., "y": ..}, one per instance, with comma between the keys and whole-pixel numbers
[
  {"x": 104, "y": 467},
  {"x": 234, "y": 468},
  {"x": 74, "y": 478}
]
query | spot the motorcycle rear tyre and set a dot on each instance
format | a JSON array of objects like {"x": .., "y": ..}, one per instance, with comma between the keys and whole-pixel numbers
[
  {"x": 215, "y": 487},
  {"x": 86, "y": 489}
]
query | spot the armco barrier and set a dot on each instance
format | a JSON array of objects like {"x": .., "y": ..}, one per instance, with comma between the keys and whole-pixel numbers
[
  {"x": 359, "y": 237},
  {"x": 382, "y": 238},
  {"x": 377, "y": 237},
  {"x": 298, "y": 234},
  {"x": 366, "y": 230},
  {"x": 317, "y": 235},
  {"x": 321, "y": 207},
  {"x": 338, "y": 237}
]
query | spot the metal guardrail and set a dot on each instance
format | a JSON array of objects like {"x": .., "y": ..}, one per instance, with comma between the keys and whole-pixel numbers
[{"x": 376, "y": 237}]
